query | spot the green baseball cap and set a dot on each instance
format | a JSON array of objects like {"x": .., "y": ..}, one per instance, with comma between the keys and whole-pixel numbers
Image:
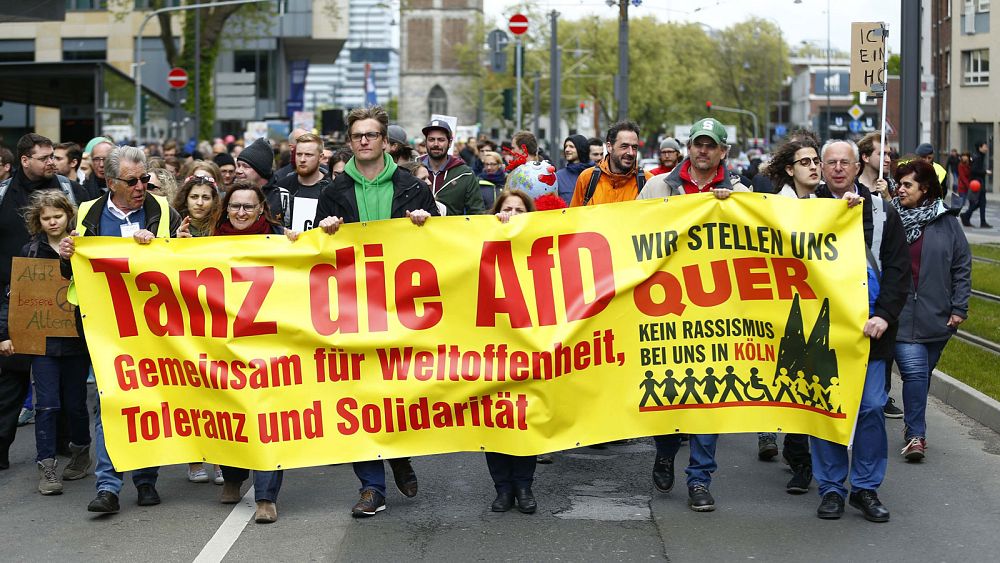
[{"x": 709, "y": 127}]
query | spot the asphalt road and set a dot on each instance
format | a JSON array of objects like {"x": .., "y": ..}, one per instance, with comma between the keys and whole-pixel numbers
[{"x": 594, "y": 505}]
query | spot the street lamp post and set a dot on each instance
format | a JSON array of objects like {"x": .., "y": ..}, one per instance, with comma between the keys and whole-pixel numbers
[{"x": 138, "y": 49}]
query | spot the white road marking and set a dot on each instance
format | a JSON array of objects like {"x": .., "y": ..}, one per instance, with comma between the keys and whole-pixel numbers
[{"x": 227, "y": 534}]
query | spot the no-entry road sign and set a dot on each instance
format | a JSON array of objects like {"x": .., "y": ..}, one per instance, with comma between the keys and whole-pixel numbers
[
  {"x": 518, "y": 24},
  {"x": 177, "y": 78}
]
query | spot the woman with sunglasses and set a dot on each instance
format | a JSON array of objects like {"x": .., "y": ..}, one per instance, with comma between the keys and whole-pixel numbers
[
  {"x": 938, "y": 302},
  {"x": 199, "y": 204},
  {"x": 245, "y": 212}
]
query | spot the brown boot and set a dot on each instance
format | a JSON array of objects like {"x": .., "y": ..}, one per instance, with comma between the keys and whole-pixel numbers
[
  {"x": 267, "y": 512},
  {"x": 230, "y": 493}
]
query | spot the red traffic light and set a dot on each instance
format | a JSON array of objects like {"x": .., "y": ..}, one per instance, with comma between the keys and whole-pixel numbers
[{"x": 708, "y": 105}]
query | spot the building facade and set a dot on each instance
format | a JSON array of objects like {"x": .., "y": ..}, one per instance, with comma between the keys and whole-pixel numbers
[{"x": 431, "y": 80}]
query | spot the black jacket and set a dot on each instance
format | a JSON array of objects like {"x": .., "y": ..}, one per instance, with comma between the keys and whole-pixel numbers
[
  {"x": 409, "y": 194},
  {"x": 13, "y": 232},
  {"x": 38, "y": 247},
  {"x": 93, "y": 187},
  {"x": 977, "y": 168},
  {"x": 895, "y": 257},
  {"x": 944, "y": 283}
]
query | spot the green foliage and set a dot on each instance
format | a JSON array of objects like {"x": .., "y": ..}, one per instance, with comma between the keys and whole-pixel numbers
[
  {"x": 966, "y": 362},
  {"x": 892, "y": 65},
  {"x": 674, "y": 69}
]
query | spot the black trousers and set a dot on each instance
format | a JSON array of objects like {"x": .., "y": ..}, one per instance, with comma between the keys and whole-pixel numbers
[
  {"x": 510, "y": 472},
  {"x": 796, "y": 450},
  {"x": 13, "y": 389}
]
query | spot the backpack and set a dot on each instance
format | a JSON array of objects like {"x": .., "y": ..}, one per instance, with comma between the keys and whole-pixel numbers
[{"x": 640, "y": 182}]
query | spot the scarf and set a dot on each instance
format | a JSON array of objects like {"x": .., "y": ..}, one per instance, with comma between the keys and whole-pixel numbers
[
  {"x": 259, "y": 227},
  {"x": 915, "y": 219},
  {"x": 497, "y": 178}
]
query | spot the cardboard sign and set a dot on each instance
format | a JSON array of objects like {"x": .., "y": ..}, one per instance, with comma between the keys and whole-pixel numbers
[
  {"x": 38, "y": 306},
  {"x": 867, "y": 56}
]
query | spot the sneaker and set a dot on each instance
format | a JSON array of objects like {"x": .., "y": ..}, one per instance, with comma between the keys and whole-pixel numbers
[
  {"x": 767, "y": 446},
  {"x": 404, "y": 476},
  {"x": 27, "y": 416},
  {"x": 699, "y": 499},
  {"x": 219, "y": 479},
  {"x": 914, "y": 449},
  {"x": 79, "y": 463},
  {"x": 106, "y": 502},
  {"x": 891, "y": 410},
  {"x": 985, "y": 226},
  {"x": 663, "y": 474},
  {"x": 371, "y": 503},
  {"x": 48, "y": 482},
  {"x": 198, "y": 475},
  {"x": 544, "y": 459},
  {"x": 799, "y": 483}
]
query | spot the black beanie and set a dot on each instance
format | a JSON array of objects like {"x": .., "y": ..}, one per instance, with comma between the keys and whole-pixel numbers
[
  {"x": 223, "y": 159},
  {"x": 260, "y": 156},
  {"x": 582, "y": 147}
]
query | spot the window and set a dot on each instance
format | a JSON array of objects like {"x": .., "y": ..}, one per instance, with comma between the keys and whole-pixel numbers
[
  {"x": 82, "y": 5},
  {"x": 976, "y": 66},
  {"x": 17, "y": 50},
  {"x": 85, "y": 49},
  {"x": 258, "y": 62},
  {"x": 948, "y": 3},
  {"x": 969, "y": 6},
  {"x": 984, "y": 6},
  {"x": 947, "y": 68},
  {"x": 437, "y": 101}
]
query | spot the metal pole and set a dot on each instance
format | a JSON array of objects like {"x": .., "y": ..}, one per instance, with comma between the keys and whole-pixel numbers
[
  {"x": 517, "y": 71},
  {"x": 197, "y": 75},
  {"x": 536, "y": 105},
  {"x": 752, "y": 115},
  {"x": 555, "y": 91},
  {"x": 138, "y": 48},
  {"x": 828, "y": 77},
  {"x": 622, "y": 59},
  {"x": 909, "y": 105}
]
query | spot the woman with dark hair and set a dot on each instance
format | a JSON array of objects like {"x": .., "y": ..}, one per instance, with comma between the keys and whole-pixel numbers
[
  {"x": 199, "y": 204},
  {"x": 938, "y": 302},
  {"x": 246, "y": 213},
  {"x": 512, "y": 202},
  {"x": 794, "y": 169}
]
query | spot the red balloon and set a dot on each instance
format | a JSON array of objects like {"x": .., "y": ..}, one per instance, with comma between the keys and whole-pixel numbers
[{"x": 975, "y": 185}]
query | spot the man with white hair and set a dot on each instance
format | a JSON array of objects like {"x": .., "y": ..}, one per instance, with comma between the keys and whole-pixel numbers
[{"x": 126, "y": 210}]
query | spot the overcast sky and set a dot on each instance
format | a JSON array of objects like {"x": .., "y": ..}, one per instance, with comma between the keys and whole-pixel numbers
[{"x": 805, "y": 21}]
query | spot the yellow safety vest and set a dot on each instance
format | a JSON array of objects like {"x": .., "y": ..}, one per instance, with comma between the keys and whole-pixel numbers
[{"x": 162, "y": 231}]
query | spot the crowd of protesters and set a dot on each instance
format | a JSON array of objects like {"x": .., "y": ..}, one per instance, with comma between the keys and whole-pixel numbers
[{"x": 56, "y": 192}]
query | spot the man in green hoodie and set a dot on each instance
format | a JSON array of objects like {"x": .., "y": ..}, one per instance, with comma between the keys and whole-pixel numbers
[{"x": 373, "y": 188}]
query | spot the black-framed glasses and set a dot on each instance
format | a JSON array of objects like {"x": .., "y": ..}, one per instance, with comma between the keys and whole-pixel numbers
[
  {"x": 806, "y": 161},
  {"x": 370, "y": 135},
  {"x": 131, "y": 182},
  {"x": 247, "y": 207}
]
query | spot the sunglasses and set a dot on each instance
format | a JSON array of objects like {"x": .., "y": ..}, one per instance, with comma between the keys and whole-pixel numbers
[
  {"x": 133, "y": 181},
  {"x": 200, "y": 180}
]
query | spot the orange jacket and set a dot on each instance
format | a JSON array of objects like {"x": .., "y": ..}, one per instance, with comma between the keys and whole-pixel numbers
[{"x": 611, "y": 187}]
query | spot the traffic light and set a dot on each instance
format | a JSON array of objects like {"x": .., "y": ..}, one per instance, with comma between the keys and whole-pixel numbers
[
  {"x": 708, "y": 105},
  {"x": 508, "y": 103},
  {"x": 583, "y": 107}
]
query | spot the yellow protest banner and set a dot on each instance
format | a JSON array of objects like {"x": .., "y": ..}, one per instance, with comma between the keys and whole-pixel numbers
[{"x": 559, "y": 329}]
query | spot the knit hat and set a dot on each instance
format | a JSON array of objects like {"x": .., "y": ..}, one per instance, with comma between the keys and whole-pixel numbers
[
  {"x": 259, "y": 156},
  {"x": 223, "y": 159},
  {"x": 96, "y": 141},
  {"x": 582, "y": 148},
  {"x": 670, "y": 143},
  {"x": 925, "y": 149}
]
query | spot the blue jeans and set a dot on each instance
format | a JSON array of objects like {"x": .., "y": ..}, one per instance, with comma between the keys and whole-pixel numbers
[
  {"x": 702, "y": 462},
  {"x": 107, "y": 478},
  {"x": 916, "y": 361},
  {"x": 871, "y": 447},
  {"x": 371, "y": 474},
  {"x": 266, "y": 484},
  {"x": 62, "y": 377}
]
